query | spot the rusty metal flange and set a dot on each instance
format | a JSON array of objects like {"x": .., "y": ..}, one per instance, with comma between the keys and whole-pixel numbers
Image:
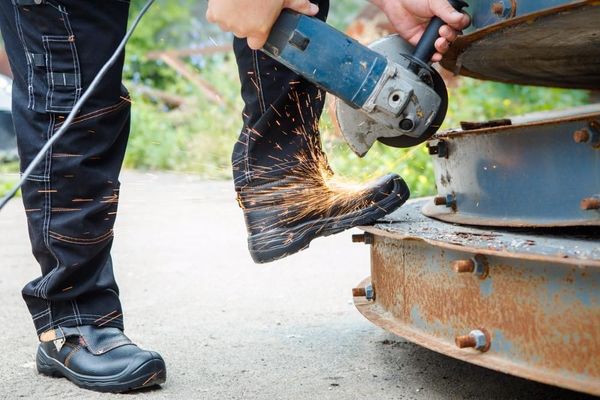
[
  {"x": 536, "y": 314},
  {"x": 531, "y": 42},
  {"x": 540, "y": 173}
]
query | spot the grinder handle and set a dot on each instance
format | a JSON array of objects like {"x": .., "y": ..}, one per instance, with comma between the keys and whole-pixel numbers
[{"x": 426, "y": 47}]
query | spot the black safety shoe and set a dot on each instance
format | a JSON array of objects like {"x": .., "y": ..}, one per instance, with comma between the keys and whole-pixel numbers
[
  {"x": 100, "y": 359},
  {"x": 284, "y": 215}
]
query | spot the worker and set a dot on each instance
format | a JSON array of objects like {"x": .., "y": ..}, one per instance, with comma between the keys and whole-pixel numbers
[{"x": 56, "y": 48}]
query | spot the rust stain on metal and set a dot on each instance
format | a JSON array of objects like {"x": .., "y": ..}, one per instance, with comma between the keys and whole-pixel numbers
[
  {"x": 547, "y": 329},
  {"x": 469, "y": 126},
  {"x": 451, "y": 134},
  {"x": 499, "y": 9}
]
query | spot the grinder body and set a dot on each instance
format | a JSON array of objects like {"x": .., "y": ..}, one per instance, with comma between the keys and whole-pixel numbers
[{"x": 386, "y": 94}]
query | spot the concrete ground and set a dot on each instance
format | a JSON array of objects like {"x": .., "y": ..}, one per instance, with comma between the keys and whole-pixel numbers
[{"x": 230, "y": 329}]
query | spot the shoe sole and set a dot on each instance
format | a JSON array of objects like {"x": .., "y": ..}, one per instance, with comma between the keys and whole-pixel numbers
[
  {"x": 282, "y": 242},
  {"x": 150, "y": 373}
]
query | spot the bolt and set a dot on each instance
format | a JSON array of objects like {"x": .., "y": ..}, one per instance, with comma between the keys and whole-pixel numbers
[
  {"x": 407, "y": 124},
  {"x": 360, "y": 238},
  {"x": 477, "y": 265},
  {"x": 479, "y": 339},
  {"x": 441, "y": 149},
  {"x": 498, "y": 8},
  {"x": 440, "y": 200},
  {"x": 464, "y": 266},
  {"x": 581, "y": 136},
  {"x": 591, "y": 203},
  {"x": 365, "y": 238},
  {"x": 368, "y": 292},
  {"x": 463, "y": 342},
  {"x": 448, "y": 201},
  {"x": 589, "y": 135}
]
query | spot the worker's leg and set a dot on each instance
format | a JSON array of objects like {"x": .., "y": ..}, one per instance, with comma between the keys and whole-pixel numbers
[
  {"x": 56, "y": 49},
  {"x": 281, "y": 114},
  {"x": 279, "y": 170},
  {"x": 71, "y": 198}
]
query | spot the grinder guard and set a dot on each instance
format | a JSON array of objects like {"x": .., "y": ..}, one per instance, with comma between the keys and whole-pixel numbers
[{"x": 361, "y": 131}]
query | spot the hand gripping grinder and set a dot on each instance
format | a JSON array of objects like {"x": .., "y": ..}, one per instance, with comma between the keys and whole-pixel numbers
[{"x": 386, "y": 92}]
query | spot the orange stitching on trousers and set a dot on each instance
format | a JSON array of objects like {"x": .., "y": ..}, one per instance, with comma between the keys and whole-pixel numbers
[
  {"x": 97, "y": 113},
  {"x": 82, "y": 241}
]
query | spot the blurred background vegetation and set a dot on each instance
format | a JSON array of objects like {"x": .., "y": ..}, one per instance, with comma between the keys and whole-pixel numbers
[{"x": 198, "y": 136}]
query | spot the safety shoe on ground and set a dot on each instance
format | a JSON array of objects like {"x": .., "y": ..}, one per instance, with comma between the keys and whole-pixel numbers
[
  {"x": 100, "y": 359},
  {"x": 284, "y": 215}
]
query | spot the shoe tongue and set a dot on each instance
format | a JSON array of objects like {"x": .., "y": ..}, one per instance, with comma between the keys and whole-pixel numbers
[
  {"x": 102, "y": 340},
  {"x": 97, "y": 340}
]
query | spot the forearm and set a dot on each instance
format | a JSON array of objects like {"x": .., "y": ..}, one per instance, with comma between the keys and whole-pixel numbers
[{"x": 251, "y": 19}]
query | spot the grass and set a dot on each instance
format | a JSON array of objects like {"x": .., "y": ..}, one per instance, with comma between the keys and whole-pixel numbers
[
  {"x": 196, "y": 138},
  {"x": 8, "y": 177}
]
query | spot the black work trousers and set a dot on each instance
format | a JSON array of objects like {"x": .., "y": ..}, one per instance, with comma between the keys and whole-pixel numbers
[
  {"x": 56, "y": 49},
  {"x": 281, "y": 116}
]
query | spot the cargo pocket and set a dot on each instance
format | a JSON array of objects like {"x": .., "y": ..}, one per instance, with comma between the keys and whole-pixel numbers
[
  {"x": 63, "y": 77},
  {"x": 54, "y": 76}
]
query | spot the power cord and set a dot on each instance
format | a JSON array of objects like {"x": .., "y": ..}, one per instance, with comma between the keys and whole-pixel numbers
[{"x": 86, "y": 95}]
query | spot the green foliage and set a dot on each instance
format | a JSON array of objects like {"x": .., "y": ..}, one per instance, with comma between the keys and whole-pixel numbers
[
  {"x": 9, "y": 173},
  {"x": 342, "y": 12},
  {"x": 196, "y": 138},
  {"x": 475, "y": 100},
  {"x": 164, "y": 27}
]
